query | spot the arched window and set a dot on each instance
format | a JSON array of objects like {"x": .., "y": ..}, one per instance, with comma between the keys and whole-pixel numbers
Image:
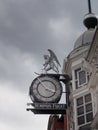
[{"x": 81, "y": 77}]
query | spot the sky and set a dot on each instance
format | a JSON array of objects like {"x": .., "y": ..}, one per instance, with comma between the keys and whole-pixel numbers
[{"x": 27, "y": 29}]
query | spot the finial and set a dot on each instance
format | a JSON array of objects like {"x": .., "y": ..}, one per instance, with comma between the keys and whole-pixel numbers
[{"x": 90, "y": 20}]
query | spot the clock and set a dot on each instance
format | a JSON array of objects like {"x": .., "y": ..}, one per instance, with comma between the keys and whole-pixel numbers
[{"x": 45, "y": 89}]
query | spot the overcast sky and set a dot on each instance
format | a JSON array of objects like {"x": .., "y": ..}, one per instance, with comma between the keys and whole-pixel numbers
[{"x": 27, "y": 29}]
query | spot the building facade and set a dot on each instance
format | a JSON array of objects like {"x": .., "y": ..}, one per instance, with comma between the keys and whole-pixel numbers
[{"x": 82, "y": 66}]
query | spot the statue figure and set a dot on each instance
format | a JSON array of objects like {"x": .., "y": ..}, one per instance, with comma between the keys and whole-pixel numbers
[{"x": 51, "y": 62}]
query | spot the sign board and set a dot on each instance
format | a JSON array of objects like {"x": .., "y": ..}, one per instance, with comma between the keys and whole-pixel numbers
[{"x": 47, "y": 108}]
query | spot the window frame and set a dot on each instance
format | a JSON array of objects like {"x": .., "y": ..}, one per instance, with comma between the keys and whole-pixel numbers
[
  {"x": 77, "y": 77},
  {"x": 85, "y": 113}
]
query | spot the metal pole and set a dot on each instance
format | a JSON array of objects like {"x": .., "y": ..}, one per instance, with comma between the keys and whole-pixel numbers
[{"x": 89, "y": 6}]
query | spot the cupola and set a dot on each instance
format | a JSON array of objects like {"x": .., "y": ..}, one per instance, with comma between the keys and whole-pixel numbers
[{"x": 90, "y": 21}]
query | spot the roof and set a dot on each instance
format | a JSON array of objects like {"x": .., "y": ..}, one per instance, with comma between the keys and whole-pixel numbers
[
  {"x": 93, "y": 48},
  {"x": 85, "y": 38}
]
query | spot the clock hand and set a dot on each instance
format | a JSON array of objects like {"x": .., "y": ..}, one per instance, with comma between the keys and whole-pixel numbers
[
  {"x": 50, "y": 90},
  {"x": 45, "y": 86}
]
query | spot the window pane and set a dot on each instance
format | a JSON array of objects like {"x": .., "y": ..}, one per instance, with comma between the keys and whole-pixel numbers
[
  {"x": 82, "y": 77},
  {"x": 76, "y": 83},
  {"x": 89, "y": 107},
  {"x": 80, "y": 110},
  {"x": 81, "y": 120},
  {"x": 89, "y": 117},
  {"x": 88, "y": 76},
  {"x": 85, "y": 127},
  {"x": 88, "y": 98},
  {"x": 79, "y": 101}
]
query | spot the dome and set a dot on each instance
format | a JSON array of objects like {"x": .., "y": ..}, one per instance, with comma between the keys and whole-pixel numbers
[{"x": 85, "y": 38}]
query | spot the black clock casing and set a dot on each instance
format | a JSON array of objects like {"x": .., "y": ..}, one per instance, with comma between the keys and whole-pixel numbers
[{"x": 45, "y": 89}]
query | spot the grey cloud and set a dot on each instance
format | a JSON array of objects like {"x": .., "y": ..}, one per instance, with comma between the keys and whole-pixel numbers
[
  {"x": 17, "y": 67},
  {"x": 26, "y": 22},
  {"x": 27, "y": 29},
  {"x": 25, "y": 26}
]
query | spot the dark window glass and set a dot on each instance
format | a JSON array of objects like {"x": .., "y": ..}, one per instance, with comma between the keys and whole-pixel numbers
[
  {"x": 80, "y": 110},
  {"x": 89, "y": 107},
  {"x": 85, "y": 127},
  {"x": 76, "y": 82},
  {"x": 79, "y": 101},
  {"x": 89, "y": 117},
  {"x": 82, "y": 77},
  {"x": 81, "y": 120},
  {"x": 88, "y": 98},
  {"x": 88, "y": 76}
]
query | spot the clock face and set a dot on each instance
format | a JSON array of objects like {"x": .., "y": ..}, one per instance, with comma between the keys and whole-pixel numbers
[{"x": 45, "y": 89}]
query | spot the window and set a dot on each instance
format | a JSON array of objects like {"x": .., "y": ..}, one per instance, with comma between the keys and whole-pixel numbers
[
  {"x": 81, "y": 120},
  {"x": 88, "y": 98},
  {"x": 79, "y": 101},
  {"x": 89, "y": 117},
  {"x": 85, "y": 127},
  {"x": 88, "y": 107},
  {"x": 80, "y": 110},
  {"x": 84, "y": 109},
  {"x": 81, "y": 77}
]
